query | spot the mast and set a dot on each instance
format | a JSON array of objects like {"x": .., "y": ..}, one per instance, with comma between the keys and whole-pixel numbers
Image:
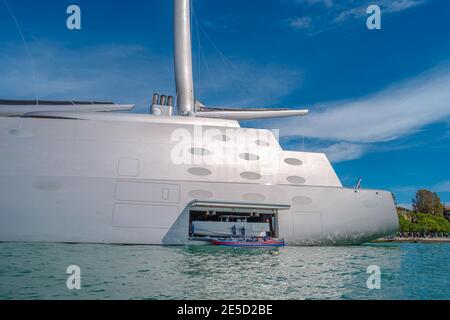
[
  {"x": 187, "y": 105},
  {"x": 183, "y": 58}
]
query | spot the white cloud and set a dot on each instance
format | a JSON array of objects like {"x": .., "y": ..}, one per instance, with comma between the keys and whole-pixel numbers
[
  {"x": 326, "y": 3},
  {"x": 350, "y": 11},
  {"x": 337, "y": 13},
  {"x": 300, "y": 23},
  {"x": 388, "y": 115},
  {"x": 442, "y": 187},
  {"x": 349, "y": 15},
  {"x": 344, "y": 151},
  {"x": 401, "y": 5}
]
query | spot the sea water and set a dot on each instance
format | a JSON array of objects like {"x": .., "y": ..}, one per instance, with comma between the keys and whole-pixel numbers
[{"x": 407, "y": 271}]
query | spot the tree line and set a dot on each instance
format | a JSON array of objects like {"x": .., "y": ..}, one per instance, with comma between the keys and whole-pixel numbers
[{"x": 427, "y": 217}]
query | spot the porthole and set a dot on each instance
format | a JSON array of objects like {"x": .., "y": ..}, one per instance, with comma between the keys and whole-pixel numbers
[
  {"x": 293, "y": 161},
  {"x": 302, "y": 200},
  {"x": 250, "y": 175},
  {"x": 200, "y": 151},
  {"x": 198, "y": 171},
  {"x": 201, "y": 194},
  {"x": 296, "y": 180},
  {"x": 249, "y": 156}
]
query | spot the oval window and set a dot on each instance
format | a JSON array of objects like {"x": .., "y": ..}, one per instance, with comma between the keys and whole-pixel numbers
[
  {"x": 296, "y": 180},
  {"x": 199, "y": 171},
  {"x": 251, "y": 175},
  {"x": 302, "y": 200},
  {"x": 199, "y": 151},
  {"x": 200, "y": 194},
  {"x": 222, "y": 137},
  {"x": 249, "y": 156},
  {"x": 293, "y": 161}
]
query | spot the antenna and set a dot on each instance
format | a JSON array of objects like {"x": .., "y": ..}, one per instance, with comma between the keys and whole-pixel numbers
[
  {"x": 358, "y": 184},
  {"x": 183, "y": 57}
]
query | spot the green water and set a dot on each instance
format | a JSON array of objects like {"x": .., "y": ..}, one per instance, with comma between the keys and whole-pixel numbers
[{"x": 408, "y": 271}]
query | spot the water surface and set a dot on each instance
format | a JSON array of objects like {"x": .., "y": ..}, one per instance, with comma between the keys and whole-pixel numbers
[{"x": 408, "y": 271}]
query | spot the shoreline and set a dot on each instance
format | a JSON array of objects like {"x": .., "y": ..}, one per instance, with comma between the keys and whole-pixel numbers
[{"x": 413, "y": 240}]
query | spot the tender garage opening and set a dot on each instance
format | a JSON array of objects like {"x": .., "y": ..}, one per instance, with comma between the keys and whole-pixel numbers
[{"x": 210, "y": 220}]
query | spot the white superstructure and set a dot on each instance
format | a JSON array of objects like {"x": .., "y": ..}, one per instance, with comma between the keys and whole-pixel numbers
[{"x": 77, "y": 175}]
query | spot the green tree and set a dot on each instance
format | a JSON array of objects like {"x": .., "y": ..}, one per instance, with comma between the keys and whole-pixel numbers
[
  {"x": 422, "y": 222},
  {"x": 428, "y": 202},
  {"x": 405, "y": 224}
]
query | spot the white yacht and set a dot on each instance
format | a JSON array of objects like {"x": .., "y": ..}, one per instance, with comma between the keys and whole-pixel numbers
[{"x": 81, "y": 172}]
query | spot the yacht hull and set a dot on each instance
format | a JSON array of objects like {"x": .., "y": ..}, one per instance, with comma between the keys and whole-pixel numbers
[
  {"x": 74, "y": 181},
  {"x": 84, "y": 210}
]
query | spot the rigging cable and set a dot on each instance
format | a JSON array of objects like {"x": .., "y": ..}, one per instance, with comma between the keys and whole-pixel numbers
[
  {"x": 217, "y": 93},
  {"x": 33, "y": 70},
  {"x": 226, "y": 61}
]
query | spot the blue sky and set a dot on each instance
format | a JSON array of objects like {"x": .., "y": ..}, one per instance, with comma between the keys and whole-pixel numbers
[{"x": 379, "y": 99}]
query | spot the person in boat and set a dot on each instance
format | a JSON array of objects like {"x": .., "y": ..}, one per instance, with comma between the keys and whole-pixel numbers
[
  {"x": 243, "y": 232},
  {"x": 233, "y": 230}
]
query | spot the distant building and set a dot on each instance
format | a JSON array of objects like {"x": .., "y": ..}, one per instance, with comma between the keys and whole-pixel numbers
[{"x": 447, "y": 212}]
